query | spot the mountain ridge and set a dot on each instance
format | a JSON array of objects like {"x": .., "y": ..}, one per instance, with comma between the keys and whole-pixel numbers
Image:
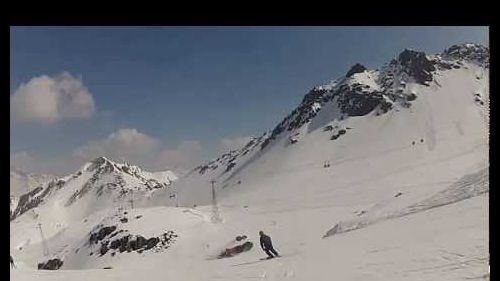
[
  {"x": 362, "y": 92},
  {"x": 101, "y": 175}
]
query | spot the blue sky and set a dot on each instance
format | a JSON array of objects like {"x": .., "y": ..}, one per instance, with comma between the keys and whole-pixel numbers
[{"x": 202, "y": 85}]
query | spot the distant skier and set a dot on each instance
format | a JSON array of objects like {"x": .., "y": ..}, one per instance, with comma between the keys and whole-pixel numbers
[
  {"x": 267, "y": 245},
  {"x": 12, "y": 265}
]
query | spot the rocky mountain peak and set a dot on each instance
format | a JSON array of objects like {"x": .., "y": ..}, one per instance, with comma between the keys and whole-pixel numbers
[
  {"x": 417, "y": 65},
  {"x": 96, "y": 163},
  {"x": 468, "y": 52},
  {"x": 357, "y": 68}
]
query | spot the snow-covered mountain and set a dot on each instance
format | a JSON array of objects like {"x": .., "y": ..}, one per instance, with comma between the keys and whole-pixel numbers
[
  {"x": 380, "y": 174},
  {"x": 99, "y": 184},
  {"x": 417, "y": 105}
]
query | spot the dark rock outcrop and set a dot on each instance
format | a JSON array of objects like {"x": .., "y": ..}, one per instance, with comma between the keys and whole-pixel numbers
[
  {"x": 468, "y": 52},
  {"x": 357, "y": 68},
  {"x": 411, "y": 97},
  {"x": 52, "y": 264},
  {"x": 417, "y": 65},
  {"x": 358, "y": 103},
  {"x": 104, "y": 248},
  {"x": 101, "y": 234},
  {"x": 129, "y": 243},
  {"x": 328, "y": 128},
  {"x": 230, "y": 166}
]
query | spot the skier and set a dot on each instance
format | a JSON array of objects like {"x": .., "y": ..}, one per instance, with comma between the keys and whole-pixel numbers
[
  {"x": 267, "y": 245},
  {"x": 12, "y": 265}
]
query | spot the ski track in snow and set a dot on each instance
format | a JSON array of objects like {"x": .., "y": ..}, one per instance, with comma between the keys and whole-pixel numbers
[{"x": 468, "y": 186}]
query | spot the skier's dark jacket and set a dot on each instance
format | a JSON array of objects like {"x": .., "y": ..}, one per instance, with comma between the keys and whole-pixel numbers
[{"x": 265, "y": 242}]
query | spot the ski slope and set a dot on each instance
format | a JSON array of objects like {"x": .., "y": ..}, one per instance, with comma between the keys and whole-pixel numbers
[
  {"x": 442, "y": 244},
  {"x": 378, "y": 175}
]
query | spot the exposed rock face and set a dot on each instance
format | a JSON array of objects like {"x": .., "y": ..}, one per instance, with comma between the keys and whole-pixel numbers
[
  {"x": 139, "y": 243},
  {"x": 417, "y": 65},
  {"x": 52, "y": 264},
  {"x": 101, "y": 234},
  {"x": 129, "y": 243},
  {"x": 356, "y": 102},
  {"x": 101, "y": 164},
  {"x": 411, "y": 97},
  {"x": 357, "y": 68},
  {"x": 468, "y": 52},
  {"x": 230, "y": 166}
]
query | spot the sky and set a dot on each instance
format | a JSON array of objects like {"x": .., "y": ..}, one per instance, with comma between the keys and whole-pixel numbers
[{"x": 174, "y": 97}]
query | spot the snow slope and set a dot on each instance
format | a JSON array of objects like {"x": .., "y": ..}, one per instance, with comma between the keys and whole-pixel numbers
[
  {"x": 379, "y": 175},
  {"x": 441, "y": 244}
]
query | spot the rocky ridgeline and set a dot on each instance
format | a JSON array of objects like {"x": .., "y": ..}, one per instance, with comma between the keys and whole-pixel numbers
[
  {"x": 106, "y": 176},
  {"x": 228, "y": 160},
  {"x": 468, "y": 52},
  {"x": 357, "y": 99},
  {"x": 354, "y": 98},
  {"x": 416, "y": 65}
]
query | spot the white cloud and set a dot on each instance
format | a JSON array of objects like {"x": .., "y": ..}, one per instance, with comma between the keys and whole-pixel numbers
[
  {"x": 122, "y": 145},
  {"x": 138, "y": 148},
  {"x": 126, "y": 145},
  {"x": 21, "y": 161},
  {"x": 227, "y": 144},
  {"x": 187, "y": 155},
  {"x": 29, "y": 163},
  {"x": 47, "y": 100},
  {"x": 150, "y": 153}
]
